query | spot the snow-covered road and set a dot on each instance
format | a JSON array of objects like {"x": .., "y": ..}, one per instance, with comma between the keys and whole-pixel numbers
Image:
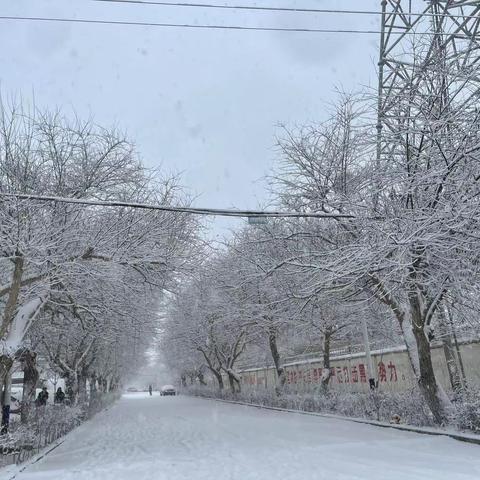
[{"x": 180, "y": 438}]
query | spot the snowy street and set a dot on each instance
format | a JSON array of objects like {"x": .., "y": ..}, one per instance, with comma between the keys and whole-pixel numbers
[{"x": 172, "y": 438}]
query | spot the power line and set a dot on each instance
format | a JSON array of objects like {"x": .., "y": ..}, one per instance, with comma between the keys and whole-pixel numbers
[
  {"x": 185, "y": 25},
  {"x": 240, "y": 7},
  {"x": 221, "y": 212},
  {"x": 212, "y": 27},
  {"x": 271, "y": 9}
]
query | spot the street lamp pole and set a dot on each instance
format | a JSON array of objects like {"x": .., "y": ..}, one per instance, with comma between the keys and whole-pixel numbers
[{"x": 371, "y": 370}]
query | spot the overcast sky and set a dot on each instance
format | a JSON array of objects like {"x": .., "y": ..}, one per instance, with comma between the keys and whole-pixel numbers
[{"x": 204, "y": 102}]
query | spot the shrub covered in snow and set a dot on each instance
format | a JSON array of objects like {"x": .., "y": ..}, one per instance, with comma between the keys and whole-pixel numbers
[
  {"x": 46, "y": 425},
  {"x": 405, "y": 407},
  {"x": 102, "y": 400},
  {"x": 466, "y": 414}
]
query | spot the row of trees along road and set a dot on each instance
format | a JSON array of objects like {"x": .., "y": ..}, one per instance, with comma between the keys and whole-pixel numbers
[
  {"x": 411, "y": 248},
  {"x": 80, "y": 285}
]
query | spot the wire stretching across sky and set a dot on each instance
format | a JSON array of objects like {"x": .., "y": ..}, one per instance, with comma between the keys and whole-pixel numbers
[
  {"x": 268, "y": 9},
  {"x": 222, "y": 212},
  {"x": 183, "y": 25},
  {"x": 209, "y": 27},
  {"x": 240, "y": 7}
]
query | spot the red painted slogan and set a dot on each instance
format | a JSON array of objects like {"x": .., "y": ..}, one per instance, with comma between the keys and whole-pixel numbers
[{"x": 353, "y": 374}]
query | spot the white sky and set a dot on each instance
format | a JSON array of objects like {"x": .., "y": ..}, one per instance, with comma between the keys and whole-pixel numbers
[{"x": 204, "y": 102}]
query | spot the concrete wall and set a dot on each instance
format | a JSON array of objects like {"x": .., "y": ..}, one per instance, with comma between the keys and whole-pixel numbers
[{"x": 394, "y": 372}]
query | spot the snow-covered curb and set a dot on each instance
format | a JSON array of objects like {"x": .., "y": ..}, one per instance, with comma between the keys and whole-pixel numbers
[
  {"x": 14, "y": 470},
  {"x": 463, "y": 437}
]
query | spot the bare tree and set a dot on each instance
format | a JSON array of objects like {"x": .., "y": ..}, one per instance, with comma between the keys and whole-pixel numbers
[
  {"x": 64, "y": 267},
  {"x": 413, "y": 242}
]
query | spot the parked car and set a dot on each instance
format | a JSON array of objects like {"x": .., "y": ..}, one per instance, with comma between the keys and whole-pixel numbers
[{"x": 168, "y": 390}]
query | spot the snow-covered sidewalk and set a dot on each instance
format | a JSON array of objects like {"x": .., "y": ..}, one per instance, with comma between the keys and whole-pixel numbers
[{"x": 180, "y": 438}]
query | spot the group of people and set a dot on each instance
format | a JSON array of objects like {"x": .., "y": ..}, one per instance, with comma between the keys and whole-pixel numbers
[{"x": 42, "y": 398}]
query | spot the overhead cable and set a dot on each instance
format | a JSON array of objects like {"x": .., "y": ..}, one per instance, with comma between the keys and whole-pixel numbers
[
  {"x": 183, "y": 25},
  {"x": 271, "y": 9},
  {"x": 211, "y": 27},
  {"x": 168, "y": 208}
]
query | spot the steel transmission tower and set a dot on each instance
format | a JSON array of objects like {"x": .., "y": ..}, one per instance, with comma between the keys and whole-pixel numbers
[{"x": 427, "y": 51}]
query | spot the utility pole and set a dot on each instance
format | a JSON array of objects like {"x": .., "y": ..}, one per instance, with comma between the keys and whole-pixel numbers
[{"x": 372, "y": 381}]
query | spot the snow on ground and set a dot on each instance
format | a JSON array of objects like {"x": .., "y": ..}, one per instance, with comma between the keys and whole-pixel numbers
[{"x": 180, "y": 438}]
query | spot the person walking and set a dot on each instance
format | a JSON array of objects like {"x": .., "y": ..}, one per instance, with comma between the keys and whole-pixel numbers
[
  {"x": 59, "y": 396},
  {"x": 42, "y": 397},
  {"x": 150, "y": 390}
]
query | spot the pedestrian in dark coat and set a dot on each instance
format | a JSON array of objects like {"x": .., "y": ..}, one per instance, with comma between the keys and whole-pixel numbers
[
  {"x": 42, "y": 397},
  {"x": 59, "y": 396}
]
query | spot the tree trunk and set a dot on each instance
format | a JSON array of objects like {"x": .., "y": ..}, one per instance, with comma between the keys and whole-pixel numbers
[
  {"x": 234, "y": 383},
  {"x": 114, "y": 384},
  {"x": 201, "y": 379},
  {"x": 93, "y": 385},
  {"x": 5, "y": 365},
  {"x": 417, "y": 343},
  {"x": 231, "y": 382},
  {"x": 93, "y": 391},
  {"x": 426, "y": 376},
  {"x": 71, "y": 388},
  {"x": 6, "y": 368},
  {"x": 272, "y": 342},
  {"x": 30, "y": 380},
  {"x": 103, "y": 384},
  {"x": 218, "y": 376},
  {"x": 11, "y": 304},
  {"x": 82, "y": 387},
  {"x": 216, "y": 373}
]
